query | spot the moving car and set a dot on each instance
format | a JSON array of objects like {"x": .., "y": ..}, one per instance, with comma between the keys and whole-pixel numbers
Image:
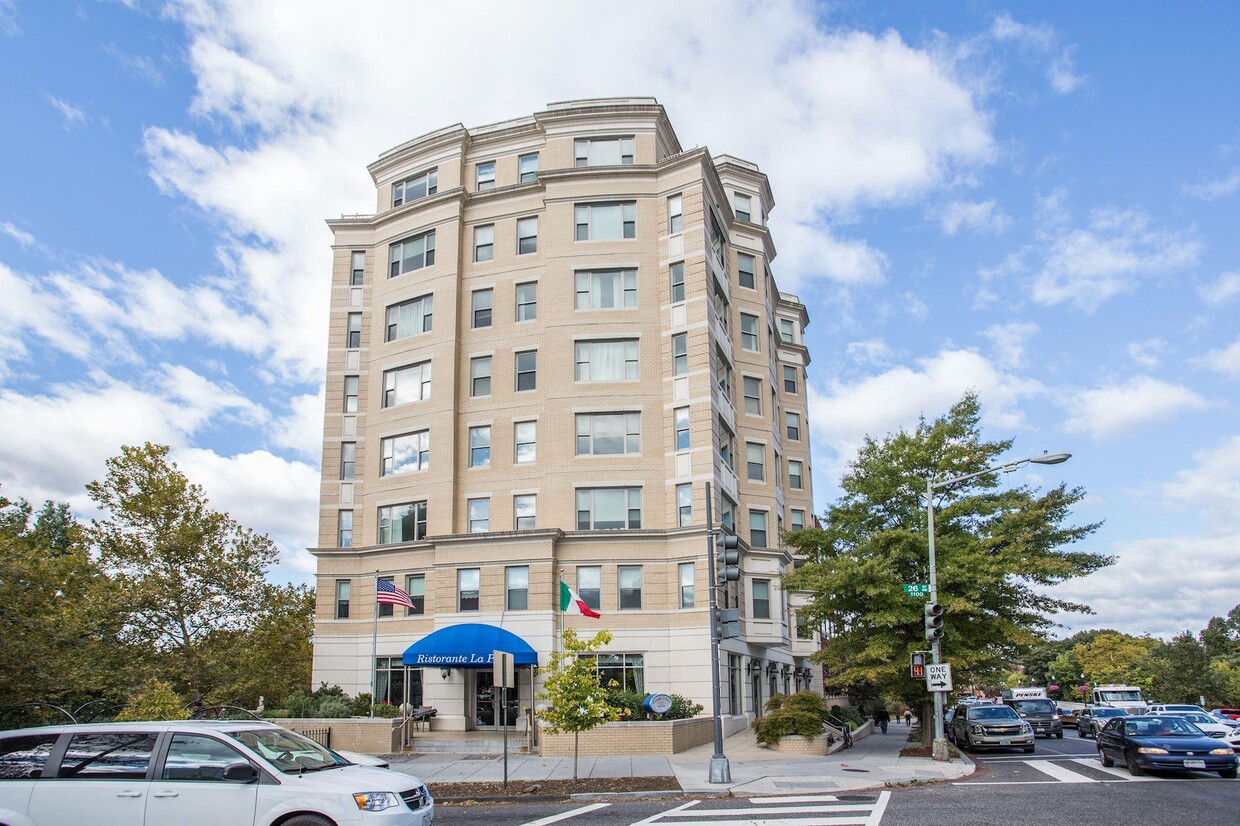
[
  {"x": 1167, "y": 742},
  {"x": 195, "y": 773},
  {"x": 1166, "y": 708},
  {"x": 1089, "y": 721},
  {"x": 1040, "y": 713},
  {"x": 1202, "y": 721},
  {"x": 1233, "y": 713},
  {"x": 978, "y": 727},
  {"x": 1233, "y": 739}
]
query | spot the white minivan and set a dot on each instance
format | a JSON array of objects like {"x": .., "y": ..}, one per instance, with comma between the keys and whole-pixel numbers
[{"x": 195, "y": 773}]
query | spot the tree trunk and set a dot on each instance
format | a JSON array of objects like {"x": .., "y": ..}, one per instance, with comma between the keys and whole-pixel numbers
[
  {"x": 927, "y": 723},
  {"x": 576, "y": 734}
]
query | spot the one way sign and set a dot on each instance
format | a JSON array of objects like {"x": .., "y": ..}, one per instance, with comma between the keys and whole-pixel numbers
[{"x": 938, "y": 677}]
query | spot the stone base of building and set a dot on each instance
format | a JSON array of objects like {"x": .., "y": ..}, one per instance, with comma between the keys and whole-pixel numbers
[
  {"x": 638, "y": 737},
  {"x": 378, "y": 735}
]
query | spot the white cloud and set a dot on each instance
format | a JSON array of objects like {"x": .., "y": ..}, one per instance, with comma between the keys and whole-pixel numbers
[
  {"x": 872, "y": 352},
  {"x": 1225, "y": 361},
  {"x": 982, "y": 217},
  {"x": 1009, "y": 342},
  {"x": 1087, "y": 266},
  {"x": 1212, "y": 486},
  {"x": 1115, "y": 408},
  {"x": 1221, "y": 291},
  {"x": 301, "y": 429},
  {"x": 1210, "y": 190},
  {"x": 137, "y": 65},
  {"x": 73, "y": 115},
  {"x": 1044, "y": 41},
  {"x": 1146, "y": 353},
  {"x": 17, "y": 234},
  {"x": 8, "y": 18}
]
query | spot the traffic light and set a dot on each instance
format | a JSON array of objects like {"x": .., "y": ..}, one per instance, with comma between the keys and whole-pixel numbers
[
  {"x": 917, "y": 665},
  {"x": 934, "y": 621},
  {"x": 727, "y": 623},
  {"x": 727, "y": 558}
]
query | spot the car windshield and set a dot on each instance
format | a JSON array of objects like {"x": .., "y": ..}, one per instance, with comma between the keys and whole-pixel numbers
[
  {"x": 1121, "y": 696},
  {"x": 1182, "y": 708},
  {"x": 1109, "y": 712},
  {"x": 992, "y": 713},
  {"x": 1034, "y": 706},
  {"x": 1161, "y": 727},
  {"x": 1198, "y": 718},
  {"x": 289, "y": 751}
]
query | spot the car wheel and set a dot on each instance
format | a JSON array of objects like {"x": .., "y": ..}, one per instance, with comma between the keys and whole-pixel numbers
[
  {"x": 1106, "y": 761},
  {"x": 1079, "y": 733},
  {"x": 1228, "y": 774},
  {"x": 1133, "y": 768},
  {"x": 1059, "y": 734},
  {"x": 308, "y": 820}
]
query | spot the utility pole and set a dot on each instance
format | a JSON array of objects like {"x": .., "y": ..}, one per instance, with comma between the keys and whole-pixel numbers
[{"x": 720, "y": 769}]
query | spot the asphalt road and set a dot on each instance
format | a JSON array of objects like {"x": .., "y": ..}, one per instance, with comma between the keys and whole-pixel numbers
[{"x": 1062, "y": 782}]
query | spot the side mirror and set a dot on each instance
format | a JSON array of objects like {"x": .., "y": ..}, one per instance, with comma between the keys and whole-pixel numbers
[{"x": 240, "y": 772}]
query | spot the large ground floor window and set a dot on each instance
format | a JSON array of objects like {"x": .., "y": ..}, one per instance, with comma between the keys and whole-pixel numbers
[
  {"x": 395, "y": 684},
  {"x": 734, "y": 685},
  {"x": 627, "y": 670}
]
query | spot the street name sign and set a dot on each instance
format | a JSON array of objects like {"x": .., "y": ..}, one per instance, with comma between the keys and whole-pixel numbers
[
  {"x": 938, "y": 677},
  {"x": 917, "y": 589}
]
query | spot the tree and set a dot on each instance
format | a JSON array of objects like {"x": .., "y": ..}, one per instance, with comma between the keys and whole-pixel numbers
[
  {"x": 996, "y": 550},
  {"x": 577, "y": 701},
  {"x": 184, "y": 572},
  {"x": 1180, "y": 671},
  {"x": 270, "y": 659},
  {"x": 1116, "y": 658},
  {"x": 155, "y": 701}
]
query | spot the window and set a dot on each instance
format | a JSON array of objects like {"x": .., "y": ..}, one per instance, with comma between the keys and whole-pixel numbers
[
  {"x": 482, "y": 301},
  {"x": 630, "y": 581},
  {"x": 675, "y": 217},
  {"x": 794, "y": 475},
  {"x": 406, "y": 453},
  {"x": 734, "y": 684},
  {"x": 344, "y": 530},
  {"x": 343, "y": 587},
  {"x": 390, "y": 681},
  {"x": 681, "y": 416},
  {"x": 609, "y": 434},
  {"x": 749, "y": 332},
  {"x": 480, "y": 376},
  {"x": 798, "y": 520},
  {"x": 755, "y": 462},
  {"x": 787, "y": 331},
  {"x": 467, "y": 580},
  {"x": 678, "y": 283},
  {"x": 793, "y": 423},
  {"x": 626, "y": 670},
  {"x": 517, "y": 579},
  {"x": 805, "y": 631},
  {"x": 609, "y": 508},
  {"x": 745, "y": 270},
  {"x": 790, "y": 379},
  {"x": 727, "y": 447},
  {"x": 484, "y": 243},
  {"x": 741, "y": 203},
  {"x": 402, "y": 523},
  {"x": 527, "y": 301},
  {"x": 407, "y": 384},
  {"x": 761, "y": 590},
  {"x": 757, "y": 529},
  {"x": 527, "y": 168},
  {"x": 385, "y": 608},
  {"x": 419, "y": 186},
  {"x": 603, "y": 152},
  {"x": 525, "y": 511},
  {"x": 353, "y": 339},
  {"x": 723, "y": 372},
  {"x": 480, "y": 447},
  {"x": 409, "y": 318},
  {"x": 348, "y": 460},
  {"x": 716, "y": 237},
  {"x": 727, "y": 514},
  {"x": 479, "y": 515},
  {"x": 415, "y": 587},
  {"x": 25, "y": 756},
  {"x": 606, "y": 221},
  {"x": 680, "y": 354},
  {"x": 590, "y": 585},
  {"x": 411, "y": 254},
  {"x": 111, "y": 755},
  {"x": 486, "y": 176},
  {"x": 607, "y": 360},
  {"x": 527, "y": 370},
  {"x": 351, "y": 384},
  {"x": 686, "y": 585},
  {"x": 606, "y": 290},
  {"x": 357, "y": 271},
  {"x": 525, "y": 438},
  {"x": 684, "y": 505},
  {"x": 527, "y": 235},
  {"x": 753, "y": 396}
]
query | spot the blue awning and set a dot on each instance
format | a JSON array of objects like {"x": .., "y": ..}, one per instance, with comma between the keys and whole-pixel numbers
[{"x": 469, "y": 645}]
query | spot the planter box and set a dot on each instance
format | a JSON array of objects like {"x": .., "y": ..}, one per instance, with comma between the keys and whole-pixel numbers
[
  {"x": 632, "y": 737},
  {"x": 795, "y": 744},
  {"x": 369, "y": 735}
]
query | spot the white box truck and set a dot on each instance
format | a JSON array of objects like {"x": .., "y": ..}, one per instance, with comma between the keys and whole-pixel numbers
[{"x": 1127, "y": 697}]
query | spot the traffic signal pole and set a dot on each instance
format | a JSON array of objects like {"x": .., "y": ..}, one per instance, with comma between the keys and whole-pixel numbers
[
  {"x": 720, "y": 770},
  {"x": 938, "y": 749}
]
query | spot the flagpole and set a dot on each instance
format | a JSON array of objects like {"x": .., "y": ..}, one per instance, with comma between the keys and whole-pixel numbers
[{"x": 374, "y": 648}]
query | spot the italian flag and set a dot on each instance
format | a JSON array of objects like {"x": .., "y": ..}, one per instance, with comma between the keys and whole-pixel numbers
[{"x": 572, "y": 603}]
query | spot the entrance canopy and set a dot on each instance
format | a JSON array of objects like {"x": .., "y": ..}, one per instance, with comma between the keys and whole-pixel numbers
[{"x": 469, "y": 645}]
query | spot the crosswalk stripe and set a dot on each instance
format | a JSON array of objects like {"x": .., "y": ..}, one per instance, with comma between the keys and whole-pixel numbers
[
  {"x": 801, "y": 798},
  {"x": 1096, "y": 765},
  {"x": 657, "y": 815},
  {"x": 821, "y": 820},
  {"x": 1060, "y": 773},
  {"x": 880, "y": 807},
  {"x": 774, "y": 810},
  {"x": 566, "y": 815}
]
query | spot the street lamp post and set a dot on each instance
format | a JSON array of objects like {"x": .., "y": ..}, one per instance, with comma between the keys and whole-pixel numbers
[{"x": 939, "y": 748}]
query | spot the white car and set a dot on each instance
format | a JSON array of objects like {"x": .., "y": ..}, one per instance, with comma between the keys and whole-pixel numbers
[
  {"x": 1232, "y": 738},
  {"x": 195, "y": 773},
  {"x": 1202, "y": 721},
  {"x": 1174, "y": 708}
]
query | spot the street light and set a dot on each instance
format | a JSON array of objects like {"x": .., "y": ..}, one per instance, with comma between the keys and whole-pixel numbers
[{"x": 939, "y": 749}]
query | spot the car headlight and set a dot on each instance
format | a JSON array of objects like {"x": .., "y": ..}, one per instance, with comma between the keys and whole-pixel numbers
[
  {"x": 1054, "y": 716},
  {"x": 1026, "y": 728},
  {"x": 376, "y": 801},
  {"x": 1220, "y": 751},
  {"x": 979, "y": 730},
  {"x": 1150, "y": 750}
]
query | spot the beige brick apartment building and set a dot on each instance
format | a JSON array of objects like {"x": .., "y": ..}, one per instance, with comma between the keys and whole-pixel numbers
[{"x": 553, "y": 332}]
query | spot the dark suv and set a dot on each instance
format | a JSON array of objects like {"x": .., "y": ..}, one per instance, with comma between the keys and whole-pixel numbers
[{"x": 1040, "y": 714}]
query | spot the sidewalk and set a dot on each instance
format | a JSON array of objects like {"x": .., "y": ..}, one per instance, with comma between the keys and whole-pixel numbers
[{"x": 873, "y": 762}]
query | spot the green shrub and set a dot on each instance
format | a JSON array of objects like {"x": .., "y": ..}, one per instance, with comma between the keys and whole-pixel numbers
[
  {"x": 301, "y": 704},
  {"x": 847, "y": 714},
  {"x": 785, "y": 722},
  {"x": 277, "y": 714},
  {"x": 385, "y": 710},
  {"x": 154, "y": 701},
  {"x": 361, "y": 704},
  {"x": 628, "y": 703},
  {"x": 336, "y": 707},
  {"x": 683, "y": 708},
  {"x": 324, "y": 690}
]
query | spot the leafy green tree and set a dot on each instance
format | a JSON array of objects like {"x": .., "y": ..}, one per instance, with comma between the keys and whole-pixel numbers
[
  {"x": 1180, "y": 671},
  {"x": 156, "y": 701},
  {"x": 997, "y": 549},
  {"x": 1117, "y": 658},
  {"x": 576, "y": 700}
]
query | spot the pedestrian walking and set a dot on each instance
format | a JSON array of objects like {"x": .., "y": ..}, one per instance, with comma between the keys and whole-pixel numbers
[
  {"x": 881, "y": 718},
  {"x": 908, "y": 717}
]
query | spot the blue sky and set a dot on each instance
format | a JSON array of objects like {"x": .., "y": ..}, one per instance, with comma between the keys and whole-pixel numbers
[{"x": 1036, "y": 201}]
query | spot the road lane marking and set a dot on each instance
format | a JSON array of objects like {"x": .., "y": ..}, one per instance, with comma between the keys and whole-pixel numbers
[
  {"x": 654, "y": 817},
  {"x": 781, "y": 821},
  {"x": 1122, "y": 774},
  {"x": 1060, "y": 773},
  {"x": 775, "y": 810},
  {"x": 876, "y": 816},
  {"x": 801, "y": 798},
  {"x": 566, "y": 815}
]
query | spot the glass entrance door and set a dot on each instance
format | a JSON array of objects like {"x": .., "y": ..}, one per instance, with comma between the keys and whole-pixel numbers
[{"x": 486, "y": 701}]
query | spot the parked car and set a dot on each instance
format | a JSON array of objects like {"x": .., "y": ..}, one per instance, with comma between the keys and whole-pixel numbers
[
  {"x": 194, "y": 773},
  {"x": 977, "y": 727},
  {"x": 1225, "y": 720},
  {"x": 1040, "y": 713},
  {"x": 1160, "y": 708},
  {"x": 1232, "y": 739},
  {"x": 359, "y": 759},
  {"x": 1089, "y": 721},
  {"x": 1233, "y": 713},
  {"x": 1202, "y": 721},
  {"x": 1167, "y": 742}
]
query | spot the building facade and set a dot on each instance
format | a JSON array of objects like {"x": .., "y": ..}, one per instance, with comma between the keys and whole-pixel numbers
[{"x": 552, "y": 333}]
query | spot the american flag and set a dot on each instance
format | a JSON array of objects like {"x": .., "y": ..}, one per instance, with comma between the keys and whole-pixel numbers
[{"x": 389, "y": 593}]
